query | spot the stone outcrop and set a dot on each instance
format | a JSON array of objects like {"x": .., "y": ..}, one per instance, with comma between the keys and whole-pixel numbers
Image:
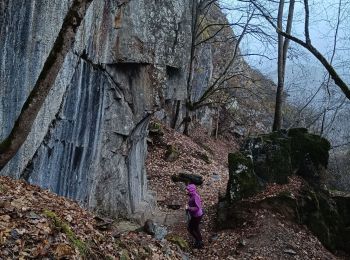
[
  {"x": 273, "y": 158},
  {"x": 89, "y": 139}
]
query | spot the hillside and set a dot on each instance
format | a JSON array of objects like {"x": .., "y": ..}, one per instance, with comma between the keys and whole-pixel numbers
[
  {"x": 38, "y": 224},
  {"x": 266, "y": 234}
]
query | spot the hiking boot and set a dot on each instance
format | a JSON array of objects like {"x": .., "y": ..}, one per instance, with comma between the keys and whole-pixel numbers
[{"x": 199, "y": 245}]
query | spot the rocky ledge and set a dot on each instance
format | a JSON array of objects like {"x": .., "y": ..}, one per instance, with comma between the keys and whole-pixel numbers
[{"x": 275, "y": 158}]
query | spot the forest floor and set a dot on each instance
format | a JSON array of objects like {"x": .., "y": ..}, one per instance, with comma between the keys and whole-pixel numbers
[
  {"x": 37, "y": 224},
  {"x": 266, "y": 235}
]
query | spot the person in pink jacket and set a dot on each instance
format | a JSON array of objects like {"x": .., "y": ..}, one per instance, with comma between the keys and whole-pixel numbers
[{"x": 194, "y": 208}]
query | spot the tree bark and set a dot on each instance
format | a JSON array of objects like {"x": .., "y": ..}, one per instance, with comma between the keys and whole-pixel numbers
[
  {"x": 283, "y": 44},
  {"x": 45, "y": 81},
  {"x": 280, "y": 77}
]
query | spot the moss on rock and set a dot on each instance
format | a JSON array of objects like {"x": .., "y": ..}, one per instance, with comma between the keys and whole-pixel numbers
[
  {"x": 65, "y": 228},
  {"x": 178, "y": 240},
  {"x": 172, "y": 153},
  {"x": 271, "y": 156},
  {"x": 243, "y": 182},
  {"x": 303, "y": 143}
]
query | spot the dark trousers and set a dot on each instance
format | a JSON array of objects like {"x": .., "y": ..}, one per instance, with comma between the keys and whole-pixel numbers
[{"x": 193, "y": 228}]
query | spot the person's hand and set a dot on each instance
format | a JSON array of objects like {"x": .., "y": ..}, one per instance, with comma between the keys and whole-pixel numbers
[{"x": 186, "y": 207}]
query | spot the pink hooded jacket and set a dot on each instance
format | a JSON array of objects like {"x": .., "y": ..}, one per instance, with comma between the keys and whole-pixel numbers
[{"x": 194, "y": 203}]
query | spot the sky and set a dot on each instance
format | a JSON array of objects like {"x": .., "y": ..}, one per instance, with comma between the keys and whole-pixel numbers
[
  {"x": 304, "y": 73},
  {"x": 323, "y": 17}
]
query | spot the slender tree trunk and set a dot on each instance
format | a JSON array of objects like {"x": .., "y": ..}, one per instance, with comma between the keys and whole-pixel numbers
[
  {"x": 46, "y": 79},
  {"x": 217, "y": 123},
  {"x": 279, "y": 95},
  {"x": 187, "y": 121},
  {"x": 176, "y": 114},
  {"x": 283, "y": 44},
  {"x": 195, "y": 5}
]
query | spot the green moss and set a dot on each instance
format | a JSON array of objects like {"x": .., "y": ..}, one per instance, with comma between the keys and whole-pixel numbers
[
  {"x": 124, "y": 255},
  {"x": 178, "y": 240},
  {"x": 273, "y": 163},
  {"x": 65, "y": 228},
  {"x": 171, "y": 154},
  {"x": 204, "y": 157},
  {"x": 304, "y": 143},
  {"x": 155, "y": 127},
  {"x": 243, "y": 182}
]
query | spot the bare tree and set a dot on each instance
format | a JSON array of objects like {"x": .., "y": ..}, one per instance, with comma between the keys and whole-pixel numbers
[
  {"x": 306, "y": 43},
  {"x": 283, "y": 44},
  {"x": 46, "y": 79},
  {"x": 206, "y": 31}
]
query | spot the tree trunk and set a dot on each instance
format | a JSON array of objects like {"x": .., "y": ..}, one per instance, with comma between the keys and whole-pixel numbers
[
  {"x": 176, "y": 114},
  {"x": 283, "y": 45},
  {"x": 278, "y": 105},
  {"x": 47, "y": 77}
]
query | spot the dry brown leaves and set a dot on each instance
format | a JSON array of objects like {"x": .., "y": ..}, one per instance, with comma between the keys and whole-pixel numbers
[
  {"x": 265, "y": 236},
  {"x": 27, "y": 232}
]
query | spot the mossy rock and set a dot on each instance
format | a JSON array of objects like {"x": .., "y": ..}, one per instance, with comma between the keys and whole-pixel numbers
[
  {"x": 155, "y": 128},
  {"x": 203, "y": 156},
  {"x": 178, "y": 240},
  {"x": 172, "y": 153},
  {"x": 271, "y": 157},
  {"x": 303, "y": 143},
  {"x": 325, "y": 218},
  {"x": 66, "y": 229},
  {"x": 243, "y": 182}
]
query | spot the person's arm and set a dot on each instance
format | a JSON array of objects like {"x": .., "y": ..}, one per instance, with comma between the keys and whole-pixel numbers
[{"x": 197, "y": 203}]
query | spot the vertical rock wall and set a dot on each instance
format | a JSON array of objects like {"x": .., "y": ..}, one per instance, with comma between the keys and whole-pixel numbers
[{"x": 88, "y": 142}]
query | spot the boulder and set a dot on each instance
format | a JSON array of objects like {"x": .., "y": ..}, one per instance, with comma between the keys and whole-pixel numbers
[
  {"x": 325, "y": 213},
  {"x": 187, "y": 178},
  {"x": 309, "y": 154},
  {"x": 157, "y": 231},
  {"x": 271, "y": 156},
  {"x": 242, "y": 182},
  {"x": 172, "y": 153},
  {"x": 156, "y": 134}
]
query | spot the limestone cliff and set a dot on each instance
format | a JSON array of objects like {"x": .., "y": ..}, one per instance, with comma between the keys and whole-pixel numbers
[
  {"x": 88, "y": 142},
  {"x": 130, "y": 60}
]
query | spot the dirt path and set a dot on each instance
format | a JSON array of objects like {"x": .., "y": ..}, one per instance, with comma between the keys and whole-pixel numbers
[{"x": 265, "y": 236}]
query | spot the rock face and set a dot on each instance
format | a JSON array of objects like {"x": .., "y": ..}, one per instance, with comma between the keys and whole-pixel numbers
[
  {"x": 274, "y": 157},
  {"x": 89, "y": 140},
  {"x": 243, "y": 181}
]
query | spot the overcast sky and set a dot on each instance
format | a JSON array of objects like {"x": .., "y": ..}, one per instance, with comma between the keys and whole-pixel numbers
[{"x": 323, "y": 19}]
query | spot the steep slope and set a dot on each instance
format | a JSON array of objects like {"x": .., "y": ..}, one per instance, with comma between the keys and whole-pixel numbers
[
  {"x": 265, "y": 233},
  {"x": 37, "y": 224}
]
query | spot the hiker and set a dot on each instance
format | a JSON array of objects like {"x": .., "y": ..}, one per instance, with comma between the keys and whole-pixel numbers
[{"x": 194, "y": 208}]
